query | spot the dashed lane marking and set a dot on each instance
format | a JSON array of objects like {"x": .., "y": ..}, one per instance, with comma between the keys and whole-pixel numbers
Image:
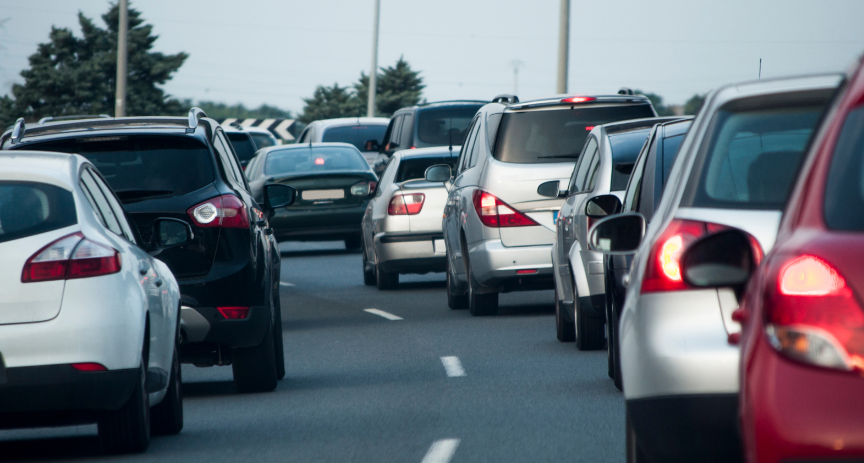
[
  {"x": 453, "y": 367},
  {"x": 441, "y": 451},
  {"x": 381, "y": 313}
]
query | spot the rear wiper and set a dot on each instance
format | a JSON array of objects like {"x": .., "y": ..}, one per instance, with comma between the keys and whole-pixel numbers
[
  {"x": 561, "y": 156},
  {"x": 132, "y": 195}
]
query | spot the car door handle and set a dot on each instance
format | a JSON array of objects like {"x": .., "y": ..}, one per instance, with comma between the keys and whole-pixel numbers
[
  {"x": 157, "y": 281},
  {"x": 143, "y": 268}
]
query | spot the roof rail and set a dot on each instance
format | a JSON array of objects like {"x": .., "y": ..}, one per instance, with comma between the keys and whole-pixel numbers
[
  {"x": 626, "y": 91},
  {"x": 195, "y": 114},
  {"x": 18, "y": 131},
  {"x": 70, "y": 118},
  {"x": 506, "y": 98}
]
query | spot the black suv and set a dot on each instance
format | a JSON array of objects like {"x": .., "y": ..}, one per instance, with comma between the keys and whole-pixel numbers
[
  {"x": 429, "y": 124},
  {"x": 185, "y": 168}
]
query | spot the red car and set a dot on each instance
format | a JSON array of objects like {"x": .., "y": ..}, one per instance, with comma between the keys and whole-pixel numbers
[{"x": 802, "y": 343}]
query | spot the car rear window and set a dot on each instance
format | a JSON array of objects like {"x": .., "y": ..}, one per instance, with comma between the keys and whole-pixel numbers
[
  {"x": 356, "y": 135},
  {"x": 625, "y": 149},
  {"x": 243, "y": 145},
  {"x": 139, "y": 167},
  {"x": 752, "y": 157},
  {"x": 556, "y": 135},
  {"x": 414, "y": 168},
  {"x": 261, "y": 140},
  {"x": 316, "y": 159},
  {"x": 443, "y": 126},
  {"x": 844, "y": 192},
  {"x": 29, "y": 208}
]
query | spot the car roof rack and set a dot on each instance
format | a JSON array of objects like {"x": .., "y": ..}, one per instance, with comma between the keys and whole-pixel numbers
[
  {"x": 194, "y": 114},
  {"x": 72, "y": 118},
  {"x": 506, "y": 98},
  {"x": 625, "y": 91},
  {"x": 18, "y": 131}
]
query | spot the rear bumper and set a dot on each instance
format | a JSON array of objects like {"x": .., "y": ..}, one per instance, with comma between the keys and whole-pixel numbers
[
  {"x": 207, "y": 325},
  {"x": 318, "y": 224},
  {"x": 410, "y": 253},
  {"x": 698, "y": 428},
  {"x": 495, "y": 266}
]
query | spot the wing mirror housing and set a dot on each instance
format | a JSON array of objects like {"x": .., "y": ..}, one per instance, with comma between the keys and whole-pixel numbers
[
  {"x": 551, "y": 189},
  {"x": 602, "y": 206},
  {"x": 371, "y": 145},
  {"x": 617, "y": 235},
  {"x": 724, "y": 259},
  {"x": 277, "y": 195},
  {"x": 438, "y": 173},
  {"x": 169, "y": 233}
]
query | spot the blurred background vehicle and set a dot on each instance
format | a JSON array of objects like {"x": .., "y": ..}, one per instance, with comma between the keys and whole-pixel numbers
[
  {"x": 735, "y": 168},
  {"x": 261, "y": 137},
  {"x": 334, "y": 185},
  {"x": 185, "y": 169},
  {"x": 357, "y": 131},
  {"x": 603, "y": 168},
  {"x": 241, "y": 141},
  {"x": 402, "y": 224},
  {"x": 498, "y": 228},
  {"x": 70, "y": 355}
]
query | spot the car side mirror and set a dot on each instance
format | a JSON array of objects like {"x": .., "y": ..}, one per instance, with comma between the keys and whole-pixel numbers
[
  {"x": 721, "y": 260},
  {"x": 169, "y": 233},
  {"x": 602, "y": 206},
  {"x": 438, "y": 173},
  {"x": 371, "y": 145},
  {"x": 277, "y": 195},
  {"x": 618, "y": 234},
  {"x": 551, "y": 189}
]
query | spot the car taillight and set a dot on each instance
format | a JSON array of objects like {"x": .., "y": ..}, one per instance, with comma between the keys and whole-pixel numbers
[
  {"x": 406, "y": 204},
  {"x": 226, "y": 211},
  {"x": 68, "y": 258},
  {"x": 233, "y": 313},
  {"x": 89, "y": 366},
  {"x": 812, "y": 316},
  {"x": 663, "y": 271},
  {"x": 496, "y": 213},
  {"x": 363, "y": 188}
]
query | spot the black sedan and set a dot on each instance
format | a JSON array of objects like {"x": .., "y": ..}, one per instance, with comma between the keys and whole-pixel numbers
[{"x": 334, "y": 184}]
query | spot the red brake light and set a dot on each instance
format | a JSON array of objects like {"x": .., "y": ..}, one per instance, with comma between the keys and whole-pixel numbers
[
  {"x": 663, "y": 271},
  {"x": 91, "y": 259},
  {"x": 493, "y": 212},
  {"x": 234, "y": 313},
  {"x": 578, "y": 99},
  {"x": 810, "y": 276},
  {"x": 90, "y": 366},
  {"x": 406, "y": 204},
  {"x": 589, "y": 128},
  {"x": 226, "y": 211},
  {"x": 70, "y": 257},
  {"x": 319, "y": 161}
]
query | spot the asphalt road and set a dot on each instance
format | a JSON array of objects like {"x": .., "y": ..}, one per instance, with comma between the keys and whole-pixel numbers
[{"x": 361, "y": 387}]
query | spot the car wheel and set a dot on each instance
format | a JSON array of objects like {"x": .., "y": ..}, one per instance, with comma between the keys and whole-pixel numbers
[
  {"x": 634, "y": 453},
  {"x": 455, "y": 302},
  {"x": 480, "y": 304},
  {"x": 565, "y": 330},
  {"x": 385, "y": 280},
  {"x": 254, "y": 368},
  {"x": 368, "y": 271},
  {"x": 278, "y": 347},
  {"x": 353, "y": 243},
  {"x": 590, "y": 331},
  {"x": 127, "y": 430},
  {"x": 167, "y": 417}
]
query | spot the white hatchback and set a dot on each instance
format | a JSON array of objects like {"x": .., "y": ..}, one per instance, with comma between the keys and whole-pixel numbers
[{"x": 88, "y": 319}]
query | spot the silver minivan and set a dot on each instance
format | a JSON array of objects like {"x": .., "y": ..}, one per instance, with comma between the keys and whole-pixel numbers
[{"x": 498, "y": 228}]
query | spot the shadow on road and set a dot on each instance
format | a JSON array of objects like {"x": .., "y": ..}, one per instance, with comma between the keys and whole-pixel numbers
[
  {"x": 208, "y": 389},
  {"x": 535, "y": 309},
  {"x": 420, "y": 285},
  {"x": 64, "y": 448},
  {"x": 317, "y": 252}
]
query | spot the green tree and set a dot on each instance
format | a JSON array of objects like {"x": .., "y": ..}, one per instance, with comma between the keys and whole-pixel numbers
[
  {"x": 694, "y": 104},
  {"x": 657, "y": 102},
  {"x": 329, "y": 103},
  {"x": 69, "y": 75},
  {"x": 218, "y": 110},
  {"x": 397, "y": 86}
]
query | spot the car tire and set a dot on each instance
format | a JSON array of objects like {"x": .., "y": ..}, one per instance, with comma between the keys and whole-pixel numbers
[
  {"x": 368, "y": 271},
  {"x": 565, "y": 331},
  {"x": 385, "y": 280},
  {"x": 455, "y": 302},
  {"x": 353, "y": 243},
  {"x": 590, "y": 331},
  {"x": 278, "y": 346},
  {"x": 127, "y": 430},
  {"x": 634, "y": 453},
  {"x": 166, "y": 419},
  {"x": 254, "y": 368},
  {"x": 480, "y": 305}
]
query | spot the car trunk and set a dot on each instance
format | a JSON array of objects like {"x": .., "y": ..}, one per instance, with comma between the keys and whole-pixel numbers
[
  {"x": 320, "y": 197},
  {"x": 430, "y": 216}
]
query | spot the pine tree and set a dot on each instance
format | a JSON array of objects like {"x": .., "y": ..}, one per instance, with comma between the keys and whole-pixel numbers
[
  {"x": 328, "y": 103},
  {"x": 694, "y": 104}
]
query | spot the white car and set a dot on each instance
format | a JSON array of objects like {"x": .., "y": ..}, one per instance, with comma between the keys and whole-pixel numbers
[{"x": 88, "y": 319}]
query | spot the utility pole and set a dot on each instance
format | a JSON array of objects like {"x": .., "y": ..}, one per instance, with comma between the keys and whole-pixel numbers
[
  {"x": 373, "y": 73},
  {"x": 122, "y": 32},
  {"x": 563, "y": 46},
  {"x": 516, "y": 65}
]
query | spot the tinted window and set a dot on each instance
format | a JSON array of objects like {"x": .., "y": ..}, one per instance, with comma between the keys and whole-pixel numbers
[
  {"x": 109, "y": 219},
  {"x": 752, "y": 158},
  {"x": 582, "y": 170},
  {"x": 261, "y": 141},
  {"x": 311, "y": 160},
  {"x": 625, "y": 149},
  {"x": 356, "y": 135},
  {"x": 243, "y": 145},
  {"x": 413, "y": 168},
  {"x": 844, "y": 192},
  {"x": 555, "y": 135},
  {"x": 28, "y": 208},
  {"x": 407, "y": 131},
  {"x": 142, "y": 167},
  {"x": 443, "y": 126},
  {"x": 671, "y": 146}
]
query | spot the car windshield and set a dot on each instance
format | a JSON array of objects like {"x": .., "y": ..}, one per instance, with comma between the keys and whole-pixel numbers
[
  {"x": 142, "y": 166},
  {"x": 356, "y": 135},
  {"x": 625, "y": 148},
  {"x": 556, "y": 135},
  {"x": 414, "y": 168},
  {"x": 261, "y": 140},
  {"x": 315, "y": 159},
  {"x": 844, "y": 193},
  {"x": 28, "y": 208},
  {"x": 443, "y": 126},
  {"x": 752, "y": 157},
  {"x": 243, "y": 145}
]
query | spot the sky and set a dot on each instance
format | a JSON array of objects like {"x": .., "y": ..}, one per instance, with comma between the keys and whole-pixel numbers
[{"x": 277, "y": 51}]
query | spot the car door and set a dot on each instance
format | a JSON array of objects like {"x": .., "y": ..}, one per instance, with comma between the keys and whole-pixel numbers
[
  {"x": 576, "y": 195},
  {"x": 454, "y": 212},
  {"x": 376, "y": 211},
  {"x": 592, "y": 261}
]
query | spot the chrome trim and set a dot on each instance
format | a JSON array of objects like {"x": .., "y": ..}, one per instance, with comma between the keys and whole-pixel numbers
[
  {"x": 195, "y": 114},
  {"x": 18, "y": 131},
  {"x": 66, "y": 118}
]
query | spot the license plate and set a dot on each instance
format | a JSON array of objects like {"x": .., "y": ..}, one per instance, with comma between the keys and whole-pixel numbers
[
  {"x": 439, "y": 246},
  {"x": 312, "y": 195},
  {"x": 555, "y": 217}
]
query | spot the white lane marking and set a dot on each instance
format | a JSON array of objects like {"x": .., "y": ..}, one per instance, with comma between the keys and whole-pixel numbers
[
  {"x": 453, "y": 366},
  {"x": 388, "y": 316},
  {"x": 441, "y": 451},
  {"x": 282, "y": 283}
]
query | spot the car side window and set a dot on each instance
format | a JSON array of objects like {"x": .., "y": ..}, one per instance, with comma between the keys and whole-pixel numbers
[
  {"x": 465, "y": 152},
  {"x": 116, "y": 207},
  {"x": 396, "y": 136},
  {"x": 227, "y": 156},
  {"x": 593, "y": 171},
  {"x": 386, "y": 177},
  {"x": 634, "y": 187},
  {"x": 302, "y": 138},
  {"x": 405, "y": 139},
  {"x": 108, "y": 217},
  {"x": 477, "y": 146},
  {"x": 584, "y": 163}
]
